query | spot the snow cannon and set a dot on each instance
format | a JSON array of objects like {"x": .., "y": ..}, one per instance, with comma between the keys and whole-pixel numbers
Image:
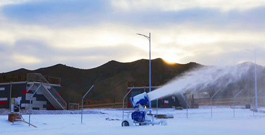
[
  {"x": 140, "y": 100},
  {"x": 139, "y": 116}
]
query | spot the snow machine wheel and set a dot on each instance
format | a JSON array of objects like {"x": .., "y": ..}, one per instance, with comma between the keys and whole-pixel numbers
[{"x": 125, "y": 123}]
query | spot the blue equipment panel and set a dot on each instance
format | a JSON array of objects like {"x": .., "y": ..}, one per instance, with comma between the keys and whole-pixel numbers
[
  {"x": 138, "y": 116},
  {"x": 141, "y": 99}
]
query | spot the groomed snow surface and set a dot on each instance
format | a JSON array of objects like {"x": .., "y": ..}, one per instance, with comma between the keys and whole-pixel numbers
[{"x": 107, "y": 122}]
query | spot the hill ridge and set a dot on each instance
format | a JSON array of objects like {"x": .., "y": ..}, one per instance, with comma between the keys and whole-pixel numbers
[{"x": 110, "y": 79}]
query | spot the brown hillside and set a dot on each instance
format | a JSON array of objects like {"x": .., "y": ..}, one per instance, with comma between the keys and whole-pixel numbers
[{"x": 111, "y": 79}]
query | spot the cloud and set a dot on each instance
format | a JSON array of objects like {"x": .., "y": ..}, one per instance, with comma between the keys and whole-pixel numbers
[
  {"x": 63, "y": 12},
  {"x": 26, "y": 59},
  {"x": 199, "y": 13},
  {"x": 31, "y": 54},
  {"x": 177, "y": 5},
  {"x": 83, "y": 37},
  {"x": 247, "y": 14},
  {"x": 12, "y": 2},
  {"x": 87, "y": 34},
  {"x": 100, "y": 44},
  {"x": 209, "y": 47},
  {"x": 224, "y": 53}
]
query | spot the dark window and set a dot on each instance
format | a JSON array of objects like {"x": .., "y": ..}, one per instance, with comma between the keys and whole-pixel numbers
[{"x": 15, "y": 89}]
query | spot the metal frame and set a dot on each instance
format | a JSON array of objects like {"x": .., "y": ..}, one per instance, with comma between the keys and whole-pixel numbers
[
  {"x": 31, "y": 101},
  {"x": 83, "y": 102},
  {"x": 51, "y": 94},
  {"x": 30, "y": 86},
  {"x": 234, "y": 112},
  {"x": 124, "y": 100},
  {"x": 212, "y": 102},
  {"x": 257, "y": 93},
  {"x": 62, "y": 103}
]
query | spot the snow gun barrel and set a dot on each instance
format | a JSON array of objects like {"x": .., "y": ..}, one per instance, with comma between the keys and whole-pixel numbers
[{"x": 140, "y": 99}]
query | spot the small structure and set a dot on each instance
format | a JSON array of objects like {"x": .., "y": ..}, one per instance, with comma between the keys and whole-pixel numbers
[{"x": 47, "y": 98}]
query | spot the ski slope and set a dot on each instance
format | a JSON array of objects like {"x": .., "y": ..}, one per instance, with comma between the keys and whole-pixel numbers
[{"x": 106, "y": 122}]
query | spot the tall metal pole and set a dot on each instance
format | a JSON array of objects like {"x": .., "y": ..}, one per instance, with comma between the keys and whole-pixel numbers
[
  {"x": 254, "y": 101},
  {"x": 83, "y": 102},
  {"x": 256, "y": 89},
  {"x": 150, "y": 69},
  {"x": 150, "y": 66}
]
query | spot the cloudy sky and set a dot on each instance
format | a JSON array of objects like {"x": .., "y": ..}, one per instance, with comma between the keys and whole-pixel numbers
[{"x": 89, "y": 33}]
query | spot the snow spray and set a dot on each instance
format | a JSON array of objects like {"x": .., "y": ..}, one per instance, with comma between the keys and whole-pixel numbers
[{"x": 207, "y": 77}]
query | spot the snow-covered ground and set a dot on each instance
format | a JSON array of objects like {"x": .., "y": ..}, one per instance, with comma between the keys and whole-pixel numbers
[{"x": 106, "y": 122}]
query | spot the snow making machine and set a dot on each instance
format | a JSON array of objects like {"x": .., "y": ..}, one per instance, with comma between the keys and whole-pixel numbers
[{"x": 141, "y": 116}]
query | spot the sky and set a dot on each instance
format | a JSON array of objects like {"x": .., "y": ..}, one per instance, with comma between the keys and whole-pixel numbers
[{"x": 88, "y": 33}]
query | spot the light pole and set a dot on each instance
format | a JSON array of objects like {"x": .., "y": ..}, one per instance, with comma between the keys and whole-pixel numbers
[
  {"x": 256, "y": 88},
  {"x": 150, "y": 64}
]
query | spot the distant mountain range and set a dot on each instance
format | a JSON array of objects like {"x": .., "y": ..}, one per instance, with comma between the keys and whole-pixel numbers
[{"x": 111, "y": 80}]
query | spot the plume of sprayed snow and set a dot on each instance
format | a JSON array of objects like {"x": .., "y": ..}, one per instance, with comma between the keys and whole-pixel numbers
[{"x": 204, "y": 78}]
